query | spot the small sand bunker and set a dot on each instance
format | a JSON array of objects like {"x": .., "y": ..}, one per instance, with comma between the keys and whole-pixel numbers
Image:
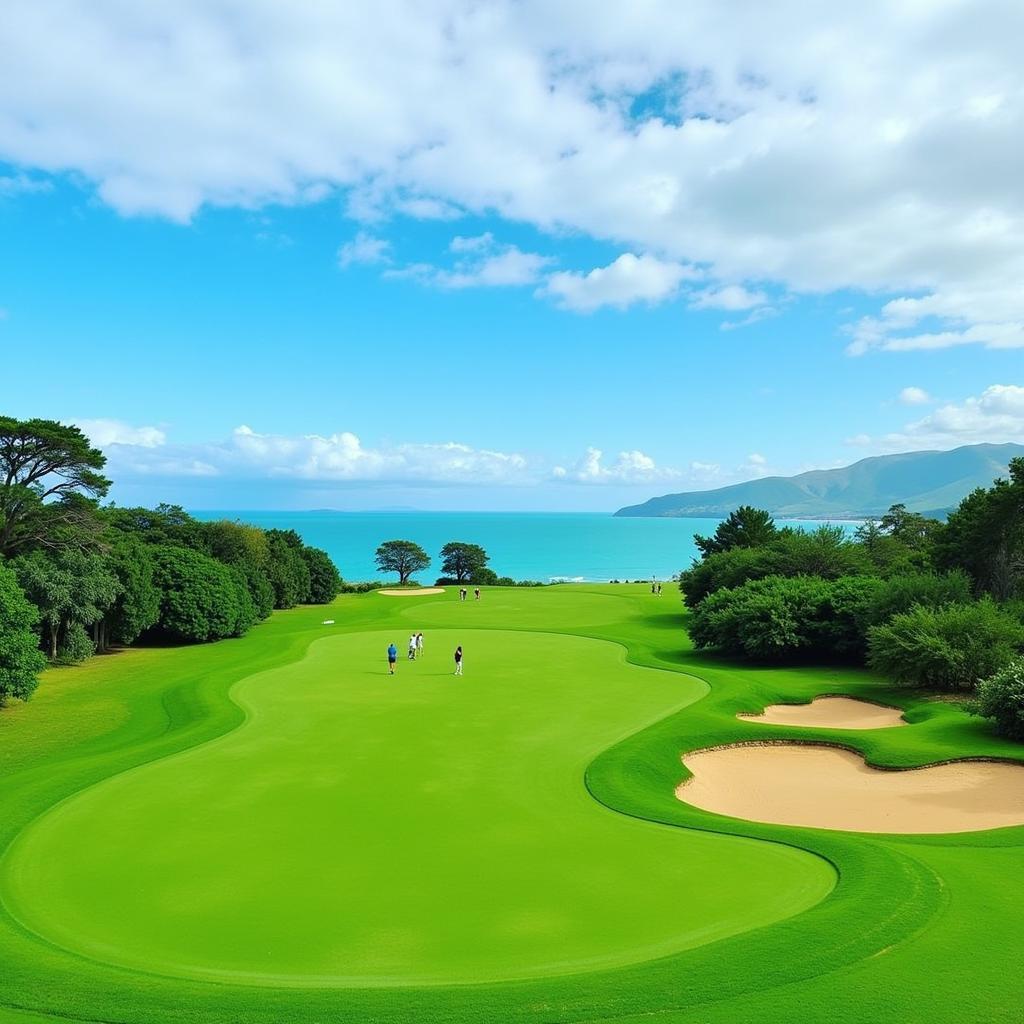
[
  {"x": 825, "y": 787},
  {"x": 830, "y": 713},
  {"x": 412, "y": 591}
]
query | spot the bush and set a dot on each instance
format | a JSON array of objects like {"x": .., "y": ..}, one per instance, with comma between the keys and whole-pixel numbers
[
  {"x": 201, "y": 599},
  {"x": 948, "y": 648},
  {"x": 929, "y": 589},
  {"x": 1001, "y": 698},
  {"x": 826, "y": 553},
  {"x": 75, "y": 645},
  {"x": 20, "y": 658},
  {"x": 324, "y": 578},
  {"x": 360, "y": 588},
  {"x": 787, "y": 618}
]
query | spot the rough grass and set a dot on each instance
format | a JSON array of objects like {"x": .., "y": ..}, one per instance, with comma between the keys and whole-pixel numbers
[{"x": 916, "y": 929}]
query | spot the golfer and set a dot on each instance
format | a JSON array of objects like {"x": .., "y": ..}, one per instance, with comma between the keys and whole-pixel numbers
[
  {"x": 476, "y": 593},
  {"x": 392, "y": 658},
  {"x": 419, "y": 645},
  {"x": 412, "y": 647},
  {"x": 458, "y": 660}
]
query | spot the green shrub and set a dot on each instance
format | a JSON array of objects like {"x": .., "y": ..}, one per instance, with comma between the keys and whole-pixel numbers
[
  {"x": 930, "y": 589},
  {"x": 201, "y": 599},
  {"x": 20, "y": 658},
  {"x": 948, "y": 648},
  {"x": 75, "y": 645},
  {"x": 1001, "y": 698},
  {"x": 324, "y": 578}
]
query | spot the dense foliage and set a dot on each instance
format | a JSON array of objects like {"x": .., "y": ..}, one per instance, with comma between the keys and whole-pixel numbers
[
  {"x": 1001, "y": 698},
  {"x": 465, "y": 563},
  {"x": 947, "y": 648},
  {"x": 926, "y": 603},
  {"x": 76, "y": 577},
  {"x": 20, "y": 657}
]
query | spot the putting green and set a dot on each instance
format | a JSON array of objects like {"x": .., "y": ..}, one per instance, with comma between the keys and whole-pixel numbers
[{"x": 364, "y": 830}]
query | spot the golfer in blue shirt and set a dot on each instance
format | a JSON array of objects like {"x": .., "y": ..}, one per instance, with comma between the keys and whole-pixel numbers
[{"x": 392, "y": 658}]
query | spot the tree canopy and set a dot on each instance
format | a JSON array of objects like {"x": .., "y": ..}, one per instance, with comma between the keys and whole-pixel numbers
[
  {"x": 46, "y": 470},
  {"x": 462, "y": 562},
  {"x": 403, "y": 557},
  {"x": 20, "y": 657},
  {"x": 746, "y": 527}
]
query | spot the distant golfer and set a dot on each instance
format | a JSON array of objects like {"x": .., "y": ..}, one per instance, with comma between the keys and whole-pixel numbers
[
  {"x": 659, "y": 590},
  {"x": 419, "y": 645},
  {"x": 392, "y": 658},
  {"x": 652, "y": 588},
  {"x": 412, "y": 647},
  {"x": 458, "y": 660},
  {"x": 476, "y": 593},
  {"x": 462, "y": 593}
]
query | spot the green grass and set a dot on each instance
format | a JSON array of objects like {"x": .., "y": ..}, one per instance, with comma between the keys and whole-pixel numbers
[{"x": 271, "y": 829}]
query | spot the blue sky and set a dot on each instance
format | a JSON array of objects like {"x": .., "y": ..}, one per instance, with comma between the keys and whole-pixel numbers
[{"x": 671, "y": 262}]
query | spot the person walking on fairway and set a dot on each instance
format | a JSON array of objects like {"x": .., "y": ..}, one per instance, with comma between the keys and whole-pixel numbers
[
  {"x": 476, "y": 593},
  {"x": 412, "y": 647},
  {"x": 458, "y": 660},
  {"x": 419, "y": 645},
  {"x": 462, "y": 593},
  {"x": 392, "y": 658}
]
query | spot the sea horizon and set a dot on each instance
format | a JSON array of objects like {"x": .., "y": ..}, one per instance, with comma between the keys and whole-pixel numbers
[{"x": 548, "y": 547}]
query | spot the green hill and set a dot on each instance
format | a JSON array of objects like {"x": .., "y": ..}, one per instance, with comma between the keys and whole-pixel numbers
[{"x": 931, "y": 482}]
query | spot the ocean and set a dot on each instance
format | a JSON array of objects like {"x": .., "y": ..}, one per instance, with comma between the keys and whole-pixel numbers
[{"x": 544, "y": 546}]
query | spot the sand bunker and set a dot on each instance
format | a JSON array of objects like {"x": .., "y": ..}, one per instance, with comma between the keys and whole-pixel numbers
[
  {"x": 825, "y": 787},
  {"x": 830, "y": 713},
  {"x": 412, "y": 591}
]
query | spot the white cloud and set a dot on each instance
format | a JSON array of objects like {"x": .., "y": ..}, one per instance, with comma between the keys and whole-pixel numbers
[
  {"x": 631, "y": 467},
  {"x": 481, "y": 263},
  {"x": 104, "y": 432},
  {"x": 248, "y": 454},
  {"x": 627, "y": 280},
  {"x": 755, "y": 465},
  {"x": 873, "y": 146},
  {"x": 364, "y": 249},
  {"x": 20, "y": 184},
  {"x": 994, "y": 416},
  {"x": 733, "y": 297},
  {"x": 914, "y": 396}
]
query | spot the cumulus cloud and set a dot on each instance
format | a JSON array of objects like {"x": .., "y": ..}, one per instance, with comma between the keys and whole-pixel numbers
[
  {"x": 364, "y": 249},
  {"x": 627, "y": 280},
  {"x": 249, "y": 454},
  {"x": 630, "y": 467},
  {"x": 995, "y": 416},
  {"x": 104, "y": 432},
  {"x": 872, "y": 146},
  {"x": 914, "y": 396}
]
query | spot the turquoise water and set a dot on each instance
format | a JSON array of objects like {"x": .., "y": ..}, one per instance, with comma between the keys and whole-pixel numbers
[{"x": 526, "y": 546}]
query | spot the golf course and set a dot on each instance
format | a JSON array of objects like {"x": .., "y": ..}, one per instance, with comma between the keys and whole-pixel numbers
[{"x": 275, "y": 827}]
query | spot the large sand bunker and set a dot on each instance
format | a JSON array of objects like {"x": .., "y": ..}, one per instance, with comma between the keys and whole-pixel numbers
[
  {"x": 827, "y": 787},
  {"x": 412, "y": 591},
  {"x": 830, "y": 713}
]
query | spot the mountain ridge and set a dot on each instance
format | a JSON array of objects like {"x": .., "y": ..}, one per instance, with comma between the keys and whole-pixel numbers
[{"x": 932, "y": 482}]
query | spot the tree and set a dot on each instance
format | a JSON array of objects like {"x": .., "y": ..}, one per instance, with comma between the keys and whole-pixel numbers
[
  {"x": 462, "y": 562},
  {"x": 49, "y": 479},
  {"x": 985, "y": 536},
  {"x": 324, "y": 579},
  {"x": 746, "y": 527},
  {"x": 1001, "y": 698},
  {"x": 287, "y": 569},
  {"x": 247, "y": 548},
  {"x": 137, "y": 607},
  {"x": 201, "y": 599},
  {"x": 947, "y": 648},
  {"x": 69, "y": 588},
  {"x": 403, "y": 557},
  {"x": 20, "y": 658}
]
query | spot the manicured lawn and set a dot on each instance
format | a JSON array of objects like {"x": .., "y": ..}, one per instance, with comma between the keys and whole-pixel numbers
[{"x": 272, "y": 829}]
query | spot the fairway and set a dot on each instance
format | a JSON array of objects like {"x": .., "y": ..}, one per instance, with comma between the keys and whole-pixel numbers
[
  {"x": 364, "y": 829},
  {"x": 273, "y": 829}
]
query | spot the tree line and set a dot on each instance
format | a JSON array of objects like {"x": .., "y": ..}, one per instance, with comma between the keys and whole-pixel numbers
[
  {"x": 77, "y": 577},
  {"x": 925, "y": 603},
  {"x": 461, "y": 563}
]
